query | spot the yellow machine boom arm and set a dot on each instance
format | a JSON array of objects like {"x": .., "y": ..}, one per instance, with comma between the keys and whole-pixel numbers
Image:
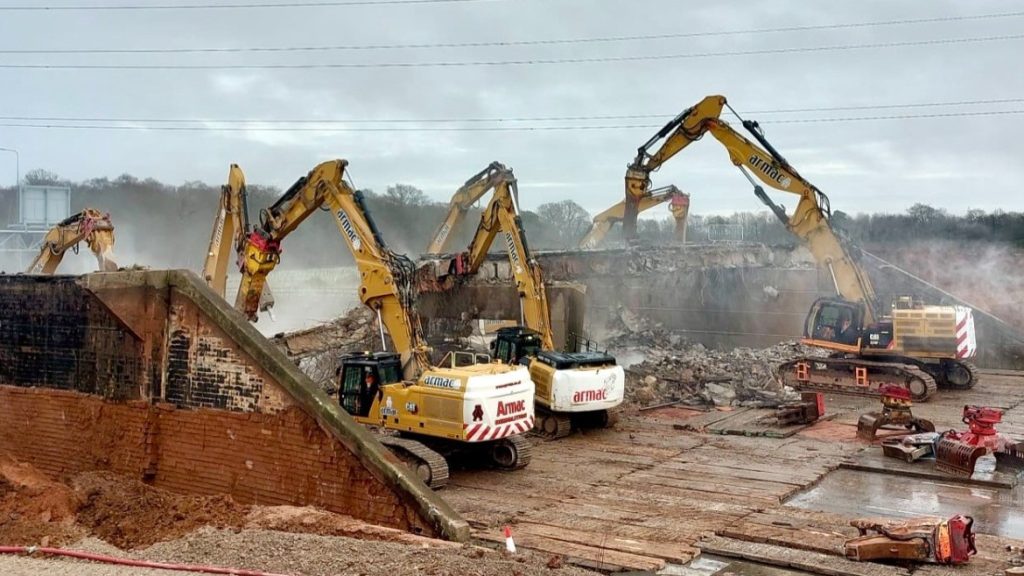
[
  {"x": 502, "y": 215},
  {"x": 604, "y": 221},
  {"x": 810, "y": 220},
  {"x": 473, "y": 190},
  {"x": 230, "y": 231},
  {"x": 386, "y": 277},
  {"x": 90, "y": 225}
]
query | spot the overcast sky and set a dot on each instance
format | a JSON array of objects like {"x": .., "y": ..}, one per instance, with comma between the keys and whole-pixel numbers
[{"x": 866, "y": 166}]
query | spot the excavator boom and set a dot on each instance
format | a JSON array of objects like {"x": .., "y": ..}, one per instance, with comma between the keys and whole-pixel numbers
[
  {"x": 231, "y": 228},
  {"x": 473, "y": 190},
  {"x": 603, "y": 222},
  {"x": 810, "y": 220},
  {"x": 90, "y": 225},
  {"x": 386, "y": 277}
]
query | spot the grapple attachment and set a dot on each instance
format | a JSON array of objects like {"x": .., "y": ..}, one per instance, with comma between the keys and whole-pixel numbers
[
  {"x": 955, "y": 457},
  {"x": 932, "y": 540}
]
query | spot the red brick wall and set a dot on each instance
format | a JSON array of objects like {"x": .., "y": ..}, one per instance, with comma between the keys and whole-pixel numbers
[{"x": 282, "y": 458}]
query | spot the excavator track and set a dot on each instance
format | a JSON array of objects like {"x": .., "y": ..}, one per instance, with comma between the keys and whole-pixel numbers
[
  {"x": 428, "y": 465},
  {"x": 956, "y": 375},
  {"x": 511, "y": 453},
  {"x": 551, "y": 425},
  {"x": 844, "y": 376}
]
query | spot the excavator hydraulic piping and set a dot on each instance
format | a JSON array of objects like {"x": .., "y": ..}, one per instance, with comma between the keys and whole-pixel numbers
[
  {"x": 779, "y": 211},
  {"x": 360, "y": 200}
]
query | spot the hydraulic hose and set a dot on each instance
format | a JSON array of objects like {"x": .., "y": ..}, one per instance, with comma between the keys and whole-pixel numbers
[{"x": 29, "y": 550}]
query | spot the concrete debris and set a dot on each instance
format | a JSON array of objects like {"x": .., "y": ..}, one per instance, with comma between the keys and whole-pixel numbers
[
  {"x": 318, "y": 350},
  {"x": 664, "y": 367}
]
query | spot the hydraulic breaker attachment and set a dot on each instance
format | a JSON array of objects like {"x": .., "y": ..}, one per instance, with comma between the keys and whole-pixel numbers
[{"x": 928, "y": 539}]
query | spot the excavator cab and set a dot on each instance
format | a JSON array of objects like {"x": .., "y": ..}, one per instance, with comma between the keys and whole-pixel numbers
[
  {"x": 835, "y": 320},
  {"x": 516, "y": 344},
  {"x": 362, "y": 376}
]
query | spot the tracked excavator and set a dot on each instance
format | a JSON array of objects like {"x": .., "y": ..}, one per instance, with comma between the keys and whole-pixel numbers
[
  {"x": 230, "y": 231},
  {"x": 466, "y": 409},
  {"x": 679, "y": 205},
  {"x": 916, "y": 346},
  {"x": 578, "y": 388},
  {"x": 90, "y": 225}
]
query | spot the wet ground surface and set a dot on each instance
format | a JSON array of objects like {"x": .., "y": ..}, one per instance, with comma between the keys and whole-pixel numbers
[
  {"x": 711, "y": 565},
  {"x": 997, "y": 511}
]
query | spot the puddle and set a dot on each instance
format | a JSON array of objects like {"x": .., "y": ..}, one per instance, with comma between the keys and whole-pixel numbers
[
  {"x": 710, "y": 565},
  {"x": 855, "y": 494}
]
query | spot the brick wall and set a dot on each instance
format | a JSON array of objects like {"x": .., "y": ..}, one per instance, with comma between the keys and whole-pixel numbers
[
  {"x": 257, "y": 458},
  {"x": 152, "y": 374},
  {"x": 55, "y": 334}
]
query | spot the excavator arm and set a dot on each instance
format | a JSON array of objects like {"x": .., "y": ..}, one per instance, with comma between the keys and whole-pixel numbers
[
  {"x": 386, "y": 277},
  {"x": 230, "y": 231},
  {"x": 502, "y": 215},
  {"x": 473, "y": 190},
  {"x": 810, "y": 220},
  {"x": 603, "y": 222},
  {"x": 90, "y": 225}
]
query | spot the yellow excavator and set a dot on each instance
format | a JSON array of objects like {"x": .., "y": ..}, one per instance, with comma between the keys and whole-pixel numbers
[
  {"x": 230, "y": 230},
  {"x": 467, "y": 408},
  {"x": 573, "y": 388},
  {"x": 679, "y": 205},
  {"x": 90, "y": 225},
  {"x": 468, "y": 194},
  {"x": 910, "y": 344}
]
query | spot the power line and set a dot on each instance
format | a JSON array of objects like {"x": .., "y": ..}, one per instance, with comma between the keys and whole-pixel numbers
[
  {"x": 510, "y": 43},
  {"x": 642, "y": 57},
  {"x": 492, "y": 120},
  {"x": 235, "y": 5},
  {"x": 561, "y": 128}
]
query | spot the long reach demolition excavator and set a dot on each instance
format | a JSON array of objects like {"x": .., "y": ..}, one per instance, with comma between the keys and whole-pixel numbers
[
  {"x": 477, "y": 412},
  {"x": 90, "y": 225},
  {"x": 679, "y": 205},
  {"x": 231, "y": 230},
  {"x": 468, "y": 194},
  {"x": 573, "y": 388},
  {"x": 911, "y": 344}
]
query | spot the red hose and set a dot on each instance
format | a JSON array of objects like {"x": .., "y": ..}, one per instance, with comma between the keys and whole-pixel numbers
[{"x": 130, "y": 562}]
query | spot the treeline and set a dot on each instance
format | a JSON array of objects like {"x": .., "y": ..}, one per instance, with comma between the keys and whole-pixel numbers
[
  {"x": 919, "y": 222},
  {"x": 161, "y": 225}
]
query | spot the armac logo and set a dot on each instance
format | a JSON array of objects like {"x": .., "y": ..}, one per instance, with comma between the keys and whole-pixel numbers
[
  {"x": 513, "y": 254},
  {"x": 442, "y": 382},
  {"x": 770, "y": 171},
  {"x": 350, "y": 230},
  {"x": 506, "y": 408},
  {"x": 582, "y": 396}
]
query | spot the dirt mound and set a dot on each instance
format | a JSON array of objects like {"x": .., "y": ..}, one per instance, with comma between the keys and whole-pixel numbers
[
  {"x": 130, "y": 514},
  {"x": 33, "y": 508}
]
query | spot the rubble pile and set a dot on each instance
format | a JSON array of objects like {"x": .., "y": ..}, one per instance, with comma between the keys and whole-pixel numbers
[
  {"x": 319, "y": 349},
  {"x": 671, "y": 369}
]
